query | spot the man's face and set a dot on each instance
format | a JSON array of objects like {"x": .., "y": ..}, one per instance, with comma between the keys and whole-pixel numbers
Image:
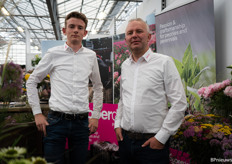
[
  {"x": 137, "y": 36},
  {"x": 75, "y": 31}
]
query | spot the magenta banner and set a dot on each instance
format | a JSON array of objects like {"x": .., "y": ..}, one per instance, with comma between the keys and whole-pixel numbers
[{"x": 105, "y": 130}]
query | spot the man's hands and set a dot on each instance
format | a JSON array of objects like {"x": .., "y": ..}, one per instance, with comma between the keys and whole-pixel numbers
[
  {"x": 93, "y": 125},
  {"x": 154, "y": 143},
  {"x": 41, "y": 123},
  {"x": 118, "y": 132}
]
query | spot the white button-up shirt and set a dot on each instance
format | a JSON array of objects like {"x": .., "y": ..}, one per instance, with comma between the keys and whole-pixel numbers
[
  {"x": 69, "y": 77},
  {"x": 146, "y": 88}
]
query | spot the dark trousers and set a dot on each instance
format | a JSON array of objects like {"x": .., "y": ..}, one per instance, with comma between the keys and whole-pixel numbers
[
  {"x": 132, "y": 152},
  {"x": 58, "y": 130}
]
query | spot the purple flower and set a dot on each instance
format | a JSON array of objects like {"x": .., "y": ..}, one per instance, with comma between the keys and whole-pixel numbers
[
  {"x": 230, "y": 137},
  {"x": 215, "y": 142},
  {"x": 226, "y": 144},
  {"x": 227, "y": 154},
  {"x": 220, "y": 135},
  {"x": 189, "y": 132}
]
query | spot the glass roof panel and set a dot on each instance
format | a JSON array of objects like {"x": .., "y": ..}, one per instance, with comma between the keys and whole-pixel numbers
[{"x": 34, "y": 15}]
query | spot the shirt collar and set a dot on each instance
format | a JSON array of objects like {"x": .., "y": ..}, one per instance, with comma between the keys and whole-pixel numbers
[
  {"x": 146, "y": 56},
  {"x": 67, "y": 48}
]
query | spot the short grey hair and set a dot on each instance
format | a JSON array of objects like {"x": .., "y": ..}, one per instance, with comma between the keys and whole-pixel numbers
[{"x": 140, "y": 20}]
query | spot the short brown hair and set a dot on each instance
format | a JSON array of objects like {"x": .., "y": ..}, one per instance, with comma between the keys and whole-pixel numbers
[{"x": 78, "y": 15}]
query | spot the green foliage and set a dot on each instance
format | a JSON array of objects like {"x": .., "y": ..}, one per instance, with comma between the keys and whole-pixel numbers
[
  {"x": 230, "y": 68},
  {"x": 207, "y": 61},
  {"x": 36, "y": 60},
  {"x": 190, "y": 72}
]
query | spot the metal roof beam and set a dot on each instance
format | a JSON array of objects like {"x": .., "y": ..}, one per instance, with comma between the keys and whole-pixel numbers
[
  {"x": 96, "y": 15},
  {"x": 38, "y": 19},
  {"x": 82, "y": 2},
  {"x": 111, "y": 10},
  {"x": 16, "y": 6},
  {"x": 128, "y": 0},
  {"x": 52, "y": 8}
]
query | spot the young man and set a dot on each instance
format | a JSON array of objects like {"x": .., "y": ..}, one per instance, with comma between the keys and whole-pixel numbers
[
  {"x": 149, "y": 81},
  {"x": 70, "y": 67}
]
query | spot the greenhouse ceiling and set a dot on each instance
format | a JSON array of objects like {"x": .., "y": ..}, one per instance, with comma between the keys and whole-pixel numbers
[{"x": 44, "y": 19}]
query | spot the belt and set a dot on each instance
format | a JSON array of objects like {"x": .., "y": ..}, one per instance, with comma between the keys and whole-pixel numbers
[
  {"x": 66, "y": 116},
  {"x": 138, "y": 136}
]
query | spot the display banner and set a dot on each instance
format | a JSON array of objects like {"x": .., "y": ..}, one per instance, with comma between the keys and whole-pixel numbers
[
  {"x": 150, "y": 20},
  {"x": 192, "y": 24},
  {"x": 105, "y": 130},
  {"x": 187, "y": 35}
]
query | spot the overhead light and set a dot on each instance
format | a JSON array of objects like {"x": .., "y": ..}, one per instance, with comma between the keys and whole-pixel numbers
[
  {"x": 31, "y": 40},
  {"x": 101, "y": 15},
  {"x": 20, "y": 29},
  {"x": 93, "y": 32},
  {"x": 4, "y": 11}
]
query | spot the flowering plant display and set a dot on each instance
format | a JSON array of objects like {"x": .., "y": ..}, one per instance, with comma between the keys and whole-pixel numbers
[
  {"x": 218, "y": 97},
  {"x": 43, "y": 86},
  {"x": 11, "y": 76},
  {"x": 205, "y": 137},
  {"x": 121, "y": 53}
]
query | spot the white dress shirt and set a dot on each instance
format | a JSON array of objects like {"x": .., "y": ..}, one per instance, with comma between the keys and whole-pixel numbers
[
  {"x": 146, "y": 88},
  {"x": 69, "y": 77}
]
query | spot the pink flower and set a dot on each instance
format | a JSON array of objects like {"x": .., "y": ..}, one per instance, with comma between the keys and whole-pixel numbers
[
  {"x": 119, "y": 79},
  {"x": 117, "y": 82},
  {"x": 128, "y": 52},
  {"x": 201, "y": 91},
  {"x": 226, "y": 82},
  {"x": 208, "y": 91},
  {"x": 218, "y": 86},
  {"x": 152, "y": 40},
  {"x": 115, "y": 75},
  {"x": 228, "y": 91},
  {"x": 118, "y": 62},
  {"x": 115, "y": 57}
]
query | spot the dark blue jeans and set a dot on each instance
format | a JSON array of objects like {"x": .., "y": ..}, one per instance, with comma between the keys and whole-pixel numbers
[
  {"x": 58, "y": 130},
  {"x": 132, "y": 152}
]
